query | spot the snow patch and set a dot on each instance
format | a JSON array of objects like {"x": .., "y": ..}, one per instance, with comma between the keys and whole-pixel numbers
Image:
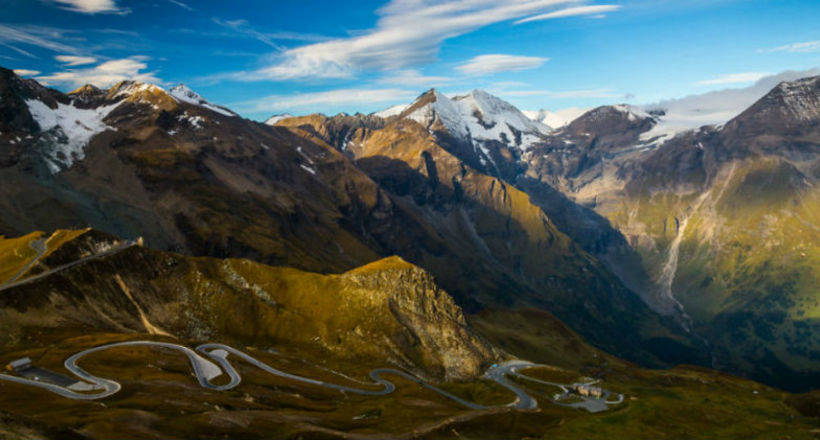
[
  {"x": 276, "y": 118},
  {"x": 392, "y": 111},
  {"x": 73, "y": 127},
  {"x": 195, "y": 121},
  {"x": 182, "y": 93}
]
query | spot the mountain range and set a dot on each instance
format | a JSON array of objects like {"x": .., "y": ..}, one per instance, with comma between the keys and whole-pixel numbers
[{"x": 457, "y": 231}]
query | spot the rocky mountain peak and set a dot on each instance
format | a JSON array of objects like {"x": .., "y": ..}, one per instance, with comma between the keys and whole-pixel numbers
[
  {"x": 612, "y": 119},
  {"x": 183, "y": 93},
  {"x": 800, "y": 98},
  {"x": 791, "y": 107},
  {"x": 477, "y": 117},
  {"x": 87, "y": 89}
]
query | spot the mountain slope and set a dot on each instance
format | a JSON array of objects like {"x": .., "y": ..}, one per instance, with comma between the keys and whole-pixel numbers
[
  {"x": 495, "y": 247},
  {"x": 723, "y": 218},
  {"x": 205, "y": 183},
  {"x": 388, "y": 310}
]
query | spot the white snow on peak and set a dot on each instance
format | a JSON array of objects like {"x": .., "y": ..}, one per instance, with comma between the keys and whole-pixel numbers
[
  {"x": 632, "y": 113},
  {"x": 134, "y": 87},
  {"x": 480, "y": 116},
  {"x": 276, "y": 118},
  {"x": 73, "y": 127},
  {"x": 392, "y": 111},
  {"x": 557, "y": 119},
  {"x": 182, "y": 93}
]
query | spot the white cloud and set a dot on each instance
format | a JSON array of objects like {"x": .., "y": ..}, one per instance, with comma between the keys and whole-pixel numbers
[
  {"x": 716, "y": 107},
  {"x": 494, "y": 63},
  {"x": 243, "y": 28},
  {"x": 408, "y": 33},
  {"x": 92, "y": 6},
  {"x": 37, "y": 36},
  {"x": 804, "y": 47},
  {"x": 734, "y": 78},
  {"x": 410, "y": 77},
  {"x": 104, "y": 74},
  {"x": 26, "y": 72},
  {"x": 181, "y": 5},
  {"x": 331, "y": 98},
  {"x": 73, "y": 60},
  {"x": 595, "y": 10}
]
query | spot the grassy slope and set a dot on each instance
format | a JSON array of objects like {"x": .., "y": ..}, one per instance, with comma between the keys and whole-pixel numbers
[{"x": 748, "y": 265}]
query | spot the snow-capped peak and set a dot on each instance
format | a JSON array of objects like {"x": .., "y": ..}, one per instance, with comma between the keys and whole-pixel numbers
[
  {"x": 183, "y": 93},
  {"x": 276, "y": 118},
  {"x": 477, "y": 117},
  {"x": 129, "y": 88}
]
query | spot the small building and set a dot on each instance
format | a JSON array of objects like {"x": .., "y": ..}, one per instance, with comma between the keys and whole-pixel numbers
[
  {"x": 19, "y": 365},
  {"x": 589, "y": 391}
]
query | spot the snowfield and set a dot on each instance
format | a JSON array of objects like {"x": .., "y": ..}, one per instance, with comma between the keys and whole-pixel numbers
[
  {"x": 73, "y": 127},
  {"x": 479, "y": 116}
]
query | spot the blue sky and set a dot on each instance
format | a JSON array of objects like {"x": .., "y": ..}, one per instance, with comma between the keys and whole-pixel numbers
[{"x": 266, "y": 57}]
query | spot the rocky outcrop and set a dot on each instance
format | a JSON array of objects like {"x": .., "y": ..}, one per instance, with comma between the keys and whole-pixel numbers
[{"x": 387, "y": 311}]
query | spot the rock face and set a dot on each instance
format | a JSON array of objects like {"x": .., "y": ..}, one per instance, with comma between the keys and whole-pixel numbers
[
  {"x": 388, "y": 310},
  {"x": 431, "y": 319}
]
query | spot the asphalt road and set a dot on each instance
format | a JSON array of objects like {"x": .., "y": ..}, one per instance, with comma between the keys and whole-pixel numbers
[
  {"x": 590, "y": 404},
  {"x": 210, "y": 361},
  {"x": 113, "y": 250},
  {"x": 38, "y": 246}
]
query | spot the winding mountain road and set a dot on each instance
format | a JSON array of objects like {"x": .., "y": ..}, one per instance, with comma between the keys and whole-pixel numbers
[{"x": 210, "y": 361}]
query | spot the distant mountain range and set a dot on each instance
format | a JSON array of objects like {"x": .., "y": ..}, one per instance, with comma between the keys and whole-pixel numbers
[{"x": 661, "y": 246}]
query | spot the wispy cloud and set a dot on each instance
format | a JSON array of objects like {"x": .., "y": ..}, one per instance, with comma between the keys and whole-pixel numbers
[
  {"x": 181, "y": 5},
  {"x": 734, "y": 78},
  {"x": 104, "y": 74},
  {"x": 407, "y": 34},
  {"x": 12, "y": 36},
  {"x": 73, "y": 60},
  {"x": 495, "y": 63},
  {"x": 332, "y": 98},
  {"x": 595, "y": 10},
  {"x": 92, "y": 6},
  {"x": 242, "y": 27},
  {"x": 804, "y": 47},
  {"x": 26, "y": 72}
]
